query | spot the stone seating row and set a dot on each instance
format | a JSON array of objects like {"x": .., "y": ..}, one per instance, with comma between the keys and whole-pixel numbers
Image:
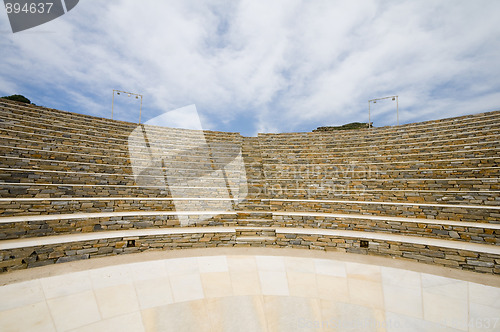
[
  {"x": 328, "y": 172},
  {"x": 17, "y": 206},
  {"x": 463, "y": 163},
  {"x": 317, "y": 178},
  {"x": 177, "y": 143},
  {"x": 30, "y": 128},
  {"x": 426, "y": 128},
  {"x": 224, "y": 152},
  {"x": 32, "y": 252},
  {"x": 27, "y": 176},
  {"x": 59, "y": 115},
  {"x": 356, "y": 170},
  {"x": 311, "y": 149},
  {"x": 328, "y": 142},
  {"x": 58, "y": 153},
  {"x": 15, "y": 227},
  {"x": 290, "y": 159},
  {"x": 106, "y": 169},
  {"x": 50, "y": 113},
  {"x": 381, "y": 148},
  {"x": 276, "y": 186},
  {"x": 178, "y": 147},
  {"x": 87, "y": 129},
  {"x": 99, "y": 158},
  {"x": 458, "y": 212},
  {"x": 377, "y": 134},
  {"x": 458, "y": 196}
]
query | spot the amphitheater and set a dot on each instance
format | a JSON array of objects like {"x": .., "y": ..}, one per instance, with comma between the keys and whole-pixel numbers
[{"x": 109, "y": 225}]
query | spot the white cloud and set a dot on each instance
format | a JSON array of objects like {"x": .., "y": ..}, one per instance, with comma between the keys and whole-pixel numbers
[{"x": 293, "y": 65}]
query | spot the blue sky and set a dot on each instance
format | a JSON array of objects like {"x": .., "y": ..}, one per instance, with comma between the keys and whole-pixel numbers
[{"x": 262, "y": 66}]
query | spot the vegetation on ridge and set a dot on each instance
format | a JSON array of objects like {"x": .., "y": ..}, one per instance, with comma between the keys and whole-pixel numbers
[
  {"x": 19, "y": 98},
  {"x": 348, "y": 126}
]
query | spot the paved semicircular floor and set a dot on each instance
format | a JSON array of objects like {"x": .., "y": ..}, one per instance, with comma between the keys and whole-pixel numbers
[{"x": 247, "y": 290}]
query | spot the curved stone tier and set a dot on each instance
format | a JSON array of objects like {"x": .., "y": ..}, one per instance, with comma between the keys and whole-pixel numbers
[{"x": 74, "y": 187}]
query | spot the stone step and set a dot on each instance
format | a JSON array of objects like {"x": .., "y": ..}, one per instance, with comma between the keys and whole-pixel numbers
[
  {"x": 258, "y": 239},
  {"x": 108, "y": 122}
]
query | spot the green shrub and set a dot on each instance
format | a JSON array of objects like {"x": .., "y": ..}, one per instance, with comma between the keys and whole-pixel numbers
[
  {"x": 349, "y": 126},
  {"x": 19, "y": 98}
]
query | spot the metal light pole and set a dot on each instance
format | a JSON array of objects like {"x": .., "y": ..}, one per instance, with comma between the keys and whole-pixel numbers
[
  {"x": 375, "y": 101},
  {"x": 118, "y": 92}
]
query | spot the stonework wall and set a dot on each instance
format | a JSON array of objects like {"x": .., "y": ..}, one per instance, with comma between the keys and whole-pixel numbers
[{"x": 63, "y": 174}]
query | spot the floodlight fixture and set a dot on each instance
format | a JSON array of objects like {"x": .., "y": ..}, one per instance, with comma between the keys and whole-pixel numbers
[
  {"x": 375, "y": 101},
  {"x": 118, "y": 92}
]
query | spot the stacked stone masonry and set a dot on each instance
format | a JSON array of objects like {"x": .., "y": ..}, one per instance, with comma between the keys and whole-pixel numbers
[{"x": 75, "y": 187}]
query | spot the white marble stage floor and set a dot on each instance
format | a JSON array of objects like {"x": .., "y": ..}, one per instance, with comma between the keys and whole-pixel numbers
[{"x": 244, "y": 289}]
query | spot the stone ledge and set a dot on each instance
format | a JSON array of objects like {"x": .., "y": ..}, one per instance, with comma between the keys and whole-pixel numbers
[
  {"x": 50, "y": 250},
  {"x": 493, "y": 207},
  {"x": 48, "y": 240},
  {"x": 484, "y": 248},
  {"x": 45, "y": 217},
  {"x": 414, "y": 127}
]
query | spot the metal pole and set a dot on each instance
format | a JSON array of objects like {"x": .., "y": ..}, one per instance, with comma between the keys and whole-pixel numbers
[
  {"x": 112, "y": 104},
  {"x": 397, "y": 108},
  {"x": 140, "y": 110},
  {"x": 369, "y": 123}
]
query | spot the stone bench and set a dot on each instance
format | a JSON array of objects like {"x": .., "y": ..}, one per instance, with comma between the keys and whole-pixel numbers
[
  {"x": 73, "y": 134},
  {"x": 20, "y": 226},
  {"x": 455, "y": 212},
  {"x": 85, "y": 119},
  {"x": 19, "y": 254}
]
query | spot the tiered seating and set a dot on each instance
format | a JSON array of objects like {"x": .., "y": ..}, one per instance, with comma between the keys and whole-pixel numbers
[
  {"x": 74, "y": 186},
  {"x": 66, "y": 173},
  {"x": 436, "y": 180}
]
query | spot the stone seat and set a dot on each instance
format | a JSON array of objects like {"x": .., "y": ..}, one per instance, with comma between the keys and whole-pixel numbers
[
  {"x": 457, "y": 212},
  {"x": 61, "y": 154},
  {"x": 372, "y": 167},
  {"x": 417, "y": 127},
  {"x": 473, "y": 142},
  {"x": 49, "y": 224},
  {"x": 55, "y": 115},
  {"x": 325, "y": 142},
  {"x": 332, "y": 185},
  {"x": 49, "y": 130},
  {"x": 35, "y": 125},
  {"x": 455, "y": 196},
  {"x": 119, "y": 150},
  {"x": 273, "y": 169},
  {"x": 42, "y": 206},
  {"x": 176, "y": 176},
  {"x": 360, "y": 172},
  {"x": 33, "y": 252},
  {"x": 421, "y": 129},
  {"x": 414, "y": 157},
  {"x": 26, "y": 152},
  {"x": 28, "y": 190}
]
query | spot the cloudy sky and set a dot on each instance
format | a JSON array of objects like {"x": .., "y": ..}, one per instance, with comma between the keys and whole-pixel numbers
[{"x": 262, "y": 66}]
